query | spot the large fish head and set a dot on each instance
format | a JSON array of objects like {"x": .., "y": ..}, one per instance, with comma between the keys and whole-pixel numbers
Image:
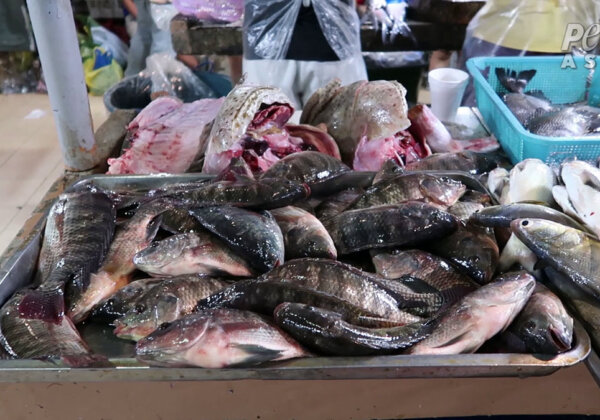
[
  {"x": 170, "y": 342},
  {"x": 147, "y": 315},
  {"x": 161, "y": 253},
  {"x": 539, "y": 234},
  {"x": 510, "y": 289},
  {"x": 442, "y": 190}
]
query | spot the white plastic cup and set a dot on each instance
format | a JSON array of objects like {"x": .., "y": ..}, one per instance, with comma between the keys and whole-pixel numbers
[{"x": 447, "y": 87}]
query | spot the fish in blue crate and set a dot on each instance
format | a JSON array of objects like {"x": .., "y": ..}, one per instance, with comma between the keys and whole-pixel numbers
[{"x": 539, "y": 115}]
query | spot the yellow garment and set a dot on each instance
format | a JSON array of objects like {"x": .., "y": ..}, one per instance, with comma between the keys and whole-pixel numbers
[{"x": 532, "y": 25}]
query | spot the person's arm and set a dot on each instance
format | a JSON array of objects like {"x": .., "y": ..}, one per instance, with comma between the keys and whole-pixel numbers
[{"x": 131, "y": 7}]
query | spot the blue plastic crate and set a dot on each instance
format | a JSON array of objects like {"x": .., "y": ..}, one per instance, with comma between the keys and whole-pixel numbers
[{"x": 560, "y": 85}]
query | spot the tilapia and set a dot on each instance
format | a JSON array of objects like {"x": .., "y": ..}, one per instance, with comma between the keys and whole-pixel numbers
[
  {"x": 134, "y": 235},
  {"x": 323, "y": 174},
  {"x": 191, "y": 253},
  {"x": 582, "y": 183},
  {"x": 123, "y": 300},
  {"x": 326, "y": 332},
  {"x": 336, "y": 203},
  {"x": 255, "y": 237},
  {"x": 77, "y": 236},
  {"x": 352, "y": 285},
  {"x": 479, "y": 316},
  {"x": 179, "y": 220},
  {"x": 474, "y": 252},
  {"x": 167, "y": 301},
  {"x": 463, "y": 210},
  {"x": 571, "y": 121},
  {"x": 389, "y": 169},
  {"x": 471, "y": 162},
  {"x": 567, "y": 250},
  {"x": 524, "y": 106},
  {"x": 264, "y": 296},
  {"x": 531, "y": 180},
  {"x": 216, "y": 339},
  {"x": 543, "y": 326},
  {"x": 433, "y": 270},
  {"x": 502, "y": 216},
  {"x": 431, "y": 189},
  {"x": 303, "y": 234},
  {"x": 266, "y": 193},
  {"x": 33, "y": 326},
  {"x": 404, "y": 224}
]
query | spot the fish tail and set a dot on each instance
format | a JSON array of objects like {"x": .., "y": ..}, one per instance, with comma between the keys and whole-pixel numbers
[{"x": 513, "y": 81}]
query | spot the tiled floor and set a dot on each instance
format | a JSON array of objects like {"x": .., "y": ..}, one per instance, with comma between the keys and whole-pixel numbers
[{"x": 30, "y": 158}]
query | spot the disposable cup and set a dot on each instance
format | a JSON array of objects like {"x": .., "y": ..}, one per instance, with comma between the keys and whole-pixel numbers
[{"x": 447, "y": 87}]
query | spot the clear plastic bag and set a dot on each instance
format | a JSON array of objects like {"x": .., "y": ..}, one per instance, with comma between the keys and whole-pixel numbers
[
  {"x": 162, "y": 15},
  {"x": 110, "y": 42},
  {"x": 212, "y": 10},
  {"x": 269, "y": 24}
]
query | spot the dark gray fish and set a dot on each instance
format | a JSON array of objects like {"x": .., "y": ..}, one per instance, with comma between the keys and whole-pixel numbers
[
  {"x": 264, "y": 296},
  {"x": 354, "y": 286},
  {"x": 266, "y": 193},
  {"x": 324, "y": 174},
  {"x": 524, "y": 106},
  {"x": 336, "y": 203},
  {"x": 433, "y": 270},
  {"x": 256, "y": 237},
  {"x": 33, "y": 326},
  {"x": 77, "y": 236},
  {"x": 567, "y": 250},
  {"x": 471, "y": 162},
  {"x": 474, "y": 252},
  {"x": 502, "y": 216},
  {"x": 167, "y": 301},
  {"x": 405, "y": 224},
  {"x": 431, "y": 189},
  {"x": 389, "y": 169},
  {"x": 479, "y": 316},
  {"x": 327, "y": 332},
  {"x": 217, "y": 339},
  {"x": 571, "y": 121},
  {"x": 303, "y": 234},
  {"x": 463, "y": 210},
  {"x": 123, "y": 300},
  {"x": 179, "y": 220},
  {"x": 543, "y": 326}
]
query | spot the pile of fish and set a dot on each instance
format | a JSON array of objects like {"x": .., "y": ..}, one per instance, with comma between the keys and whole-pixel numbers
[
  {"x": 310, "y": 257},
  {"x": 539, "y": 115},
  {"x": 364, "y": 124}
]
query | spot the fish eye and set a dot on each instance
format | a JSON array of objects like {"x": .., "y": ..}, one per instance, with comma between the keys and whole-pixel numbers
[{"x": 525, "y": 222}]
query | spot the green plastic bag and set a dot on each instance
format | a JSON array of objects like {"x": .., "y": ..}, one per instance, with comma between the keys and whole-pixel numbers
[{"x": 101, "y": 71}]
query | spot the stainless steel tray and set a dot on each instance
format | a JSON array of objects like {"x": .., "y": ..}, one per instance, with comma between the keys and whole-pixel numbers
[{"x": 17, "y": 268}]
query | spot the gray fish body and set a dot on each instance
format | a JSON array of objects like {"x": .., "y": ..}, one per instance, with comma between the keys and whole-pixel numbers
[
  {"x": 544, "y": 326},
  {"x": 217, "y": 339},
  {"x": 567, "y": 250},
  {"x": 463, "y": 210},
  {"x": 179, "y": 220},
  {"x": 336, "y": 203},
  {"x": 404, "y": 224},
  {"x": 348, "y": 284},
  {"x": 571, "y": 121},
  {"x": 165, "y": 302},
  {"x": 502, "y": 216},
  {"x": 527, "y": 107},
  {"x": 123, "y": 300},
  {"x": 389, "y": 169},
  {"x": 191, "y": 253},
  {"x": 471, "y": 162},
  {"x": 78, "y": 232},
  {"x": 479, "y": 316},
  {"x": 266, "y": 193},
  {"x": 255, "y": 237},
  {"x": 324, "y": 174},
  {"x": 303, "y": 234},
  {"x": 326, "y": 332},
  {"x": 408, "y": 187},
  {"x": 474, "y": 253}
]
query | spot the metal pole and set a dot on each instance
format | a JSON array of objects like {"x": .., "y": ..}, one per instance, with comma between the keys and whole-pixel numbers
[{"x": 56, "y": 38}]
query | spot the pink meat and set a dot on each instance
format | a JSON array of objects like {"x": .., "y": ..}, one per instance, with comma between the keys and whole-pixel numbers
[
  {"x": 315, "y": 138},
  {"x": 370, "y": 155},
  {"x": 166, "y": 138},
  {"x": 426, "y": 127}
]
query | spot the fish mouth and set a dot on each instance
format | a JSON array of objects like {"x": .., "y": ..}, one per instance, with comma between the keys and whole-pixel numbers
[{"x": 559, "y": 340}]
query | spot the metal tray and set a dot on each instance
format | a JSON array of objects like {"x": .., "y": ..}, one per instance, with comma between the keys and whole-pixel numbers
[{"x": 18, "y": 266}]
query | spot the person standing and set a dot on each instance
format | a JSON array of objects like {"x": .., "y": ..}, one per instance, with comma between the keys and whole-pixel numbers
[{"x": 300, "y": 45}]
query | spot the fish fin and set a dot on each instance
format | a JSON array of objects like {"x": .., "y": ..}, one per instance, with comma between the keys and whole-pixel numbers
[
  {"x": 256, "y": 354},
  {"x": 46, "y": 303},
  {"x": 513, "y": 81},
  {"x": 152, "y": 228},
  {"x": 538, "y": 94}
]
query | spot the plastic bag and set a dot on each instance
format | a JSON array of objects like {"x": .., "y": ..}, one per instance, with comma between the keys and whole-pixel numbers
[
  {"x": 389, "y": 15},
  {"x": 396, "y": 59},
  {"x": 172, "y": 76},
  {"x": 269, "y": 24},
  {"x": 211, "y": 10},
  {"x": 101, "y": 71},
  {"x": 162, "y": 15},
  {"x": 525, "y": 27},
  {"x": 110, "y": 42}
]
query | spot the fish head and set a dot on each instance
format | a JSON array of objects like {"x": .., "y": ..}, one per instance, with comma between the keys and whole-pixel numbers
[
  {"x": 161, "y": 253},
  {"x": 510, "y": 288},
  {"x": 546, "y": 332},
  {"x": 170, "y": 342},
  {"x": 545, "y": 234},
  {"x": 442, "y": 190},
  {"x": 147, "y": 315}
]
